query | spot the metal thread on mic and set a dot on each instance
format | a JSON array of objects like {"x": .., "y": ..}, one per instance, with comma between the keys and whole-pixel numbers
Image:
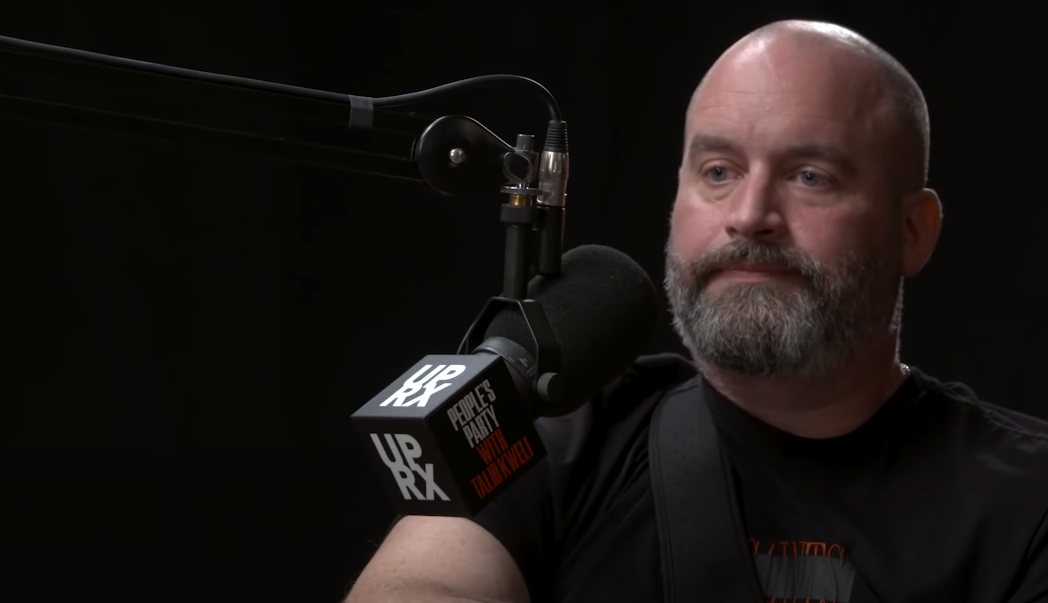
[
  {"x": 553, "y": 189},
  {"x": 553, "y": 166}
]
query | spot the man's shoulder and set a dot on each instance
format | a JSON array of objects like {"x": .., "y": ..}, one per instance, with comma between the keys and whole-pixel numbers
[
  {"x": 1009, "y": 445},
  {"x": 993, "y": 478},
  {"x": 978, "y": 413}
]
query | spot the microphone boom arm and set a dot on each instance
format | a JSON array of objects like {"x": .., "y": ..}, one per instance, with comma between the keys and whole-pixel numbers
[
  {"x": 272, "y": 147},
  {"x": 453, "y": 154},
  {"x": 88, "y": 90}
]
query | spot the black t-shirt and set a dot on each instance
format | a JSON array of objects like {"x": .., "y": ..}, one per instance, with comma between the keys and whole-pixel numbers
[{"x": 938, "y": 497}]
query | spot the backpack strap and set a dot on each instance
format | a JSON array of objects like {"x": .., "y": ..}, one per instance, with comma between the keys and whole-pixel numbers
[{"x": 705, "y": 556}]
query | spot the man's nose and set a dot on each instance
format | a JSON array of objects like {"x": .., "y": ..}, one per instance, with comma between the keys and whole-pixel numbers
[{"x": 754, "y": 211}]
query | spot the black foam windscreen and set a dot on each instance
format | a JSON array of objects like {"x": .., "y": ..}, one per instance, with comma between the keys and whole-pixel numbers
[{"x": 603, "y": 309}]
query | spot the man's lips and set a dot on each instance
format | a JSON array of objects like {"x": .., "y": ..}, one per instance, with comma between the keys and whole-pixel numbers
[
  {"x": 754, "y": 268},
  {"x": 752, "y": 272}
]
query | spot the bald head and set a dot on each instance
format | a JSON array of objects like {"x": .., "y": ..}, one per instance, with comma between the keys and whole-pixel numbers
[
  {"x": 800, "y": 203},
  {"x": 842, "y": 59}
]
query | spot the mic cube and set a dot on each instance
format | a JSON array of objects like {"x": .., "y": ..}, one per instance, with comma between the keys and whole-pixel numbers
[{"x": 449, "y": 435}]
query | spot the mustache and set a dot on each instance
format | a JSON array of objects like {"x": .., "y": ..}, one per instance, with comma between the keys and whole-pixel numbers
[{"x": 748, "y": 252}]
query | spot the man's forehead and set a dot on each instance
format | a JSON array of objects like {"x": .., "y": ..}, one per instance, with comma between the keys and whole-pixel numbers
[
  {"x": 808, "y": 78},
  {"x": 796, "y": 121},
  {"x": 744, "y": 120}
]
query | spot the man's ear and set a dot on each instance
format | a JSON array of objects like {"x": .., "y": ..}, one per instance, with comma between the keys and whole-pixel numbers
[{"x": 922, "y": 222}]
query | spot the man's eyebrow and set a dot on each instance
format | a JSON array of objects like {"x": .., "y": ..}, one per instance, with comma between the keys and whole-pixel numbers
[
  {"x": 823, "y": 152},
  {"x": 709, "y": 143},
  {"x": 704, "y": 143}
]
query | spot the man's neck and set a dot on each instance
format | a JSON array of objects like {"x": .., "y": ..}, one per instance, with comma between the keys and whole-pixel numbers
[{"x": 816, "y": 407}]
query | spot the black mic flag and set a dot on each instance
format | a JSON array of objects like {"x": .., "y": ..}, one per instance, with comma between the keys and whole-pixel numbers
[{"x": 452, "y": 431}]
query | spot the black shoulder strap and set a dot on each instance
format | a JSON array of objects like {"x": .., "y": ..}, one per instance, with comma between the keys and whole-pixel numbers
[{"x": 704, "y": 551}]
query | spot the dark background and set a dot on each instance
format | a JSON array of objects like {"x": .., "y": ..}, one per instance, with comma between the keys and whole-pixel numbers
[{"x": 186, "y": 332}]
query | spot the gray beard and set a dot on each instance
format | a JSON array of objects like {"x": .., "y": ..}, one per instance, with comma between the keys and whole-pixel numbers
[{"x": 775, "y": 329}]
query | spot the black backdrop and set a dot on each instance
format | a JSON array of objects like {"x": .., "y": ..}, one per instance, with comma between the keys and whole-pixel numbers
[{"x": 186, "y": 332}]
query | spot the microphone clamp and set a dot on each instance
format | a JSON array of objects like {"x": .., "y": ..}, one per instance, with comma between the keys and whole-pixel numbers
[{"x": 542, "y": 374}]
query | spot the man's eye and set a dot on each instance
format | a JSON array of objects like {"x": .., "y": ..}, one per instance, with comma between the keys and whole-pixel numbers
[
  {"x": 809, "y": 178},
  {"x": 718, "y": 174}
]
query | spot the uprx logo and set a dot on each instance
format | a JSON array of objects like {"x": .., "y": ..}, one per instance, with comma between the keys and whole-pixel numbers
[
  {"x": 401, "y": 453},
  {"x": 427, "y": 383}
]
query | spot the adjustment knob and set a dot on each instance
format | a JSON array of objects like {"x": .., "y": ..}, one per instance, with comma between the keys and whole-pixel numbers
[{"x": 517, "y": 167}]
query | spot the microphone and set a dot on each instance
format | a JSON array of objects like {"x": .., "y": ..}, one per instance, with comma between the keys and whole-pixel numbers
[{"x": 454, "y": 431}]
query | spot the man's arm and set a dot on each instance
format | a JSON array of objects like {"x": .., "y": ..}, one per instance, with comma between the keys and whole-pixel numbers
[{"x": 440, "y": 560}]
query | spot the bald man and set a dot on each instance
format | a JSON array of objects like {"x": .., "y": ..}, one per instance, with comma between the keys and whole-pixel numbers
[{"x": 801, "y": 208}]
